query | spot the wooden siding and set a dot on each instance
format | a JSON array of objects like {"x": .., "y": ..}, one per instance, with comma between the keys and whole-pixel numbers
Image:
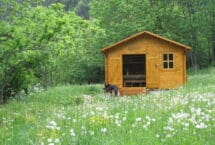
[{"x": 156, "y": 76}]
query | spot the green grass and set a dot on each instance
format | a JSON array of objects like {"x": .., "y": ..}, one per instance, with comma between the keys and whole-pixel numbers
[{"x": 85, "y": 115}]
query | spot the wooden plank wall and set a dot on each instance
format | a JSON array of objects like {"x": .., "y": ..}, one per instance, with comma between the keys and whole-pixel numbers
[{"x": 153, "y": 48}]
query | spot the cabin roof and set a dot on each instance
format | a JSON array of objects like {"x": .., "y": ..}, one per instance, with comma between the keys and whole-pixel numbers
[{"x": 144, "y": 33}]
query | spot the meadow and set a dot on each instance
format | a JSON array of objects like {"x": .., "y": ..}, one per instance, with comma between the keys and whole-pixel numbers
[{"x": 83, "y": 114}]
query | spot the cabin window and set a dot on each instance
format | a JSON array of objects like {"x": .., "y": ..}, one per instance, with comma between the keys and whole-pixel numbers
[{"x": 168, "y": 61}]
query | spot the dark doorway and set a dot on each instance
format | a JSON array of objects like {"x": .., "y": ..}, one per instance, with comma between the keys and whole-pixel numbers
[{"x": 134, "y": 70}]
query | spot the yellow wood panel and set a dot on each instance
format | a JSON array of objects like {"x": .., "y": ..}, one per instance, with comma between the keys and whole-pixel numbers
[
  {"x": 152, "y": 73},
  {"x": 115, "y": 71}
]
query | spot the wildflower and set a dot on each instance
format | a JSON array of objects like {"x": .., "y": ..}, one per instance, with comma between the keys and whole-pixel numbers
[
  {"x": 53, "y": 123},
  {"x": 153, "y": 119},
  {"x": 148, "y": 118},
  {"x": 168, "y": 135},
  {"x": 57, "y": 140},
  {"x": 72, "y": 132},
  {"x": 186, "y": 124},
  {"x": 138, "y": 119},
  {"x": 157, "y": 135},
  {"x": 104, "y": 130},
  {"x": 145, "y": 126},
  {"x": 201, "y": 125},
  {"x": 58, "y": 128},
  {"x": 91, "y": 132},
  {"x": 117, "y": 116},
  {"x": 124, "y": 118},
  {"x": 49, "y": 140},
  {"x": 99, "y": 108},
  {"x": 74, "y": 120}
]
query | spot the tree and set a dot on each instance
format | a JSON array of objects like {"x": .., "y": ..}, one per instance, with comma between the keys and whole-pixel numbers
[
  {"x": 34, "y": 40},
  {"x": 189, "y": 22}
]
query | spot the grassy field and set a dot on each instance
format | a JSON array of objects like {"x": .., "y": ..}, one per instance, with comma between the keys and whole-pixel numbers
[{"x": 73, "y": 115}]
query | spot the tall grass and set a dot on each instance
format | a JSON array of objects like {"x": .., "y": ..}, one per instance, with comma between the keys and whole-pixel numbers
[{"x": 85, "y": 115}]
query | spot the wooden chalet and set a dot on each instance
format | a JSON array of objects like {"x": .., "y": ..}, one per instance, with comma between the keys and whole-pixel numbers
[{"x": 145, "y": 61}]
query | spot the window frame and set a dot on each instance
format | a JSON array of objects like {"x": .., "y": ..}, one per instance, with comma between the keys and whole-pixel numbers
[{"x": 168, "y": 61}]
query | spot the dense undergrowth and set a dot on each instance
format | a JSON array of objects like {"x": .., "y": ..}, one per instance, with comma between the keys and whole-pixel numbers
[{"x": 85, "y": 115}]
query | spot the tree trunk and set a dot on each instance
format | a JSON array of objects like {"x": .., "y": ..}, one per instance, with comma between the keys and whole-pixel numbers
[
  {"x": 2, "y": 96},
  {"x": 213, "y": 36}
]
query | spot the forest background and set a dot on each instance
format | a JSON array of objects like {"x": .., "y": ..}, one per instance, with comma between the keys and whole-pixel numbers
[{"x": 52, "y": 42}]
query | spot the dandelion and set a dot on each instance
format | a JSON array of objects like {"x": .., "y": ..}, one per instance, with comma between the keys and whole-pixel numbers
[
  {"x": 72, "y": 132},
  {"x": 58, "y": 128},
  {"x": 186, "y": 124},
  {"x": 124, "y": 118},
  {"x": 104, "y": 130},
  {"x": 53, "y": 123},
  {"x": 74, "y": 120},
  {"x": 145, "y": 126},
  {"x": 91, "y": 132},
  {"x": 201, "y": 125},
  {"x": 157, "y": 135},
  {"x": 57, "y": 140},
  {"x": 99, "y": 108},
  {"x": 49, "y": 140},
  {"x": 153, "y": 119},
  {"x": 168, "y": 135},
  {"x": 133, "y": 125},
  {"x": 148, "y": 118},
  {"x": 138, "y": 119}
]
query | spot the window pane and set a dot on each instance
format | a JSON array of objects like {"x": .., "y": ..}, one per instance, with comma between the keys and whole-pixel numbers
[
  {"x": 165, "y": 64},
  {"x": 170, "y": 64},
  {"x": 164, "y": 56},
  {"x": 170, "y": 56}
]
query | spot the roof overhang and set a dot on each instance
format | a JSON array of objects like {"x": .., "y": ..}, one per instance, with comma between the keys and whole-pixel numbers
[{"x": 105, "y": 49}]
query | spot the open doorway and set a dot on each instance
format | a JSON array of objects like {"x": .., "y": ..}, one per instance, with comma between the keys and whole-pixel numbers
[{"x": 134, "y": 70}]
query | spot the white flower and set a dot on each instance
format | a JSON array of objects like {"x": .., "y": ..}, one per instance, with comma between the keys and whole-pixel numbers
[
  {"x": 124, "y": 118},
  {"x": 51, "y": 144},
  {"x": 91, "y": 132},
  {"x": 138, "y": 119},
  {"x": 57, "y": 140},
  {"x": 53, "y": 123},
  {"x": 133, "y": 125},
  {"x": 50, "y": 127},
  {"x": 49, "y": 140},
  {"x": 72, "y": 132},
  {"x": 148, "y": 118},
  {"x": 104, "y": 130},
  {"x": 153, "y": 119},
  {"x": 69, "y": 118},
  {"x": 201, "y": 125},
  {"x": 74, "y": 120},
  {"x": 99, "y": 108},
  {"x": 157, "y": 135},
  {"x": 186, "y": 124},
  {"x": 168, "y": 135},
  {"x": 145, "y": 126}
]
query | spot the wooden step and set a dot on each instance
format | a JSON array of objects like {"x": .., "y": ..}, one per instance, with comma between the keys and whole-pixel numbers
[{"x": 127, "y": 91}]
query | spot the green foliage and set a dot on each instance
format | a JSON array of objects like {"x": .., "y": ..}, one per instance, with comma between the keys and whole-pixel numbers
[
  {"x": 39, "y": 44},
  {"x": 189, "y": 22}
]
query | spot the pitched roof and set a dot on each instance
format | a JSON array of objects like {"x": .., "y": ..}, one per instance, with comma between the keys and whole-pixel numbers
[{"x": 143, "y": 33}]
